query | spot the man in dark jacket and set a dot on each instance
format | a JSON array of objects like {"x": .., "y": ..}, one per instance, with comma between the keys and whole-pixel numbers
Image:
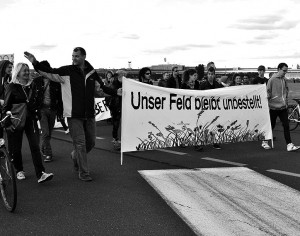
[
  {"x": 78, "y": 82},
  {"x": 46, "y": 99},
  {"x": 174, "y": 80}
]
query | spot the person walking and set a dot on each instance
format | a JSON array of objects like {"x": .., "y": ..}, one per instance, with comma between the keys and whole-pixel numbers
[
  {"x": 174, "y": 80},
  {"x": 277, "y": 93},
  {"x": 79, "y": 82},
  {"x": 46, "y": 99},
  {"x": 5, "y": 76},
  {"x": 18, "y": 91}
]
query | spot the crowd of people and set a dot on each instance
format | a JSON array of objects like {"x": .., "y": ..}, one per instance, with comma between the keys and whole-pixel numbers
[{"x": 69, "y": 91}]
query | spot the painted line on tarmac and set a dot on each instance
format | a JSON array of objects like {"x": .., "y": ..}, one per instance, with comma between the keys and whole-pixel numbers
[
  {"x": 228, "y": 201},
  {"x": 225, "y": 162},
  {"x": 170, "y": 151},
  {"x": 284, "y": 172}
]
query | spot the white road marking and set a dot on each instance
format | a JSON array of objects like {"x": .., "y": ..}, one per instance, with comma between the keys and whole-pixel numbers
[
  {"x": 170, "y": 151},
  {"x": 222, "y": 161},
  {"x": 228, "y": 201},
  {"x": 284, "y": 172}
]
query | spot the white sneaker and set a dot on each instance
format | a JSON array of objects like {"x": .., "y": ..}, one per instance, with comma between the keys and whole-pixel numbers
[
  {"x": 265, "y": 145},
  {"x": 45, "y": 177},
  {"x": 67, "y": 131},
  {"x": 21, "y": 175},
  {"x": 291, "y": 147}
]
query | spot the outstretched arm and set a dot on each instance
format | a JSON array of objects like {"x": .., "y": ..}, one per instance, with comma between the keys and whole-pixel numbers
[{"x": 48, "y": 72}]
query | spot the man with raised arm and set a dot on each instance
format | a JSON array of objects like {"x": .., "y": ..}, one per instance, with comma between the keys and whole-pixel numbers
[{"x": 79, "y": 82}]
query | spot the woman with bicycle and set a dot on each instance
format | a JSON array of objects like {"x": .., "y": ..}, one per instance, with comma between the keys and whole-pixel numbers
[{"x": 18, "y": 91}]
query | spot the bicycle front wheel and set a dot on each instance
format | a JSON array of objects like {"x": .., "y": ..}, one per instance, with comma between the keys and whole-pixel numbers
[
  {"x": 8, "y": 186},
  {"x": 293, "y": 117}
]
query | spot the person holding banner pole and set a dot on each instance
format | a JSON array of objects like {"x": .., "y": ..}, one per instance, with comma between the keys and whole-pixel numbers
[
  {"x": 79, "y": 82},
  {"x": 115, "y": 107},
  {"x": 277, "y": 92},
  {"x": 211, "y": 83}
]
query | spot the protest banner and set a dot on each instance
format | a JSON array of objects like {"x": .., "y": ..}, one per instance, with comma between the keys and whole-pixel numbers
[
  {"x": 101, "y": 110},
  {"x": 156, "y": 117},
  {"x": 9, "y": 57}
]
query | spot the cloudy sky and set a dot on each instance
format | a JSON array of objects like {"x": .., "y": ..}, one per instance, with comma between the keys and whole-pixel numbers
[{"x": 232, "y": 33}]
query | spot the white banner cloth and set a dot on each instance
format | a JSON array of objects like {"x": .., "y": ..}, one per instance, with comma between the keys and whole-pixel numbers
[{"x": 156, "y": 117}]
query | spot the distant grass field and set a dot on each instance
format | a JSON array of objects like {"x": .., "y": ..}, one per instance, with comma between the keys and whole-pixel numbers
[{"x": 294, "y": 92}]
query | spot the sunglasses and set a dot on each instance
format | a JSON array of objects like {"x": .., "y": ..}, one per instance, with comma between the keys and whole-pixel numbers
[
  {"x": 284, "y": 70},
  {"x": 148, "y": 74}
]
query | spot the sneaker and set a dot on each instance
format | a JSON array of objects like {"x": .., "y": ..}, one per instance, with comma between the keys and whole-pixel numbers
[
  {"x": 216, "y": 146},
  {"x": 85, "y": 178},
  {"x": 48, "y": 159},
  {"x": 21, "y": 175},
  {"x": 67, "y": 131},
  {"x": 45, "y": 177},
  {"x": 265, "y": 145},
  {"x": 291, "y": 147}
]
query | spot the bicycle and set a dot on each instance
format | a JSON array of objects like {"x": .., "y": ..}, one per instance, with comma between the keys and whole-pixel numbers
[
  {"x": 8, "y": 186},
  {"x": 294, "y": 115}
]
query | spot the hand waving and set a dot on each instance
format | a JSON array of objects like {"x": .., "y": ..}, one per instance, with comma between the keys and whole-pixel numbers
[{"x": 30, "y": 57}]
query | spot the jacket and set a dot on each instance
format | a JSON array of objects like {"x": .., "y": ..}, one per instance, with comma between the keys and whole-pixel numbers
[
  {"x": 37, "y": 97},
  {"x": 78, "y": 88},
  {"x": 277, "y": 91},
  {"x": 206, "y": 85},
  {"x": 171, "y": 82}
]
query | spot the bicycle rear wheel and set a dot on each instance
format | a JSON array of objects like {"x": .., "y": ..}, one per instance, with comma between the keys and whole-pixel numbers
[
  {"x": 8, "y": 186},
  {"x": 293, "y": 117}
]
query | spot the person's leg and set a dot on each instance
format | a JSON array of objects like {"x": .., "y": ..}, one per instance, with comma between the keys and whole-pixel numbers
[
  {"x": 32, "y": 133},
  {"x": 273, "y": 117},
  {"x": 283, "y": 116},
  {"x": 90, "y": 134},
  {"x": 45, "y": 134},
  {"x": 77, "y": 133},
  {"x": 14, "y": 140}
]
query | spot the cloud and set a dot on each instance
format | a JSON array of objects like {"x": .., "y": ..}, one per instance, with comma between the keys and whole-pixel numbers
[
  {"x": 226, "y": 42},
  {"x": 262, "y": 39},
  {"x": 169, "y": 50},
  {"x": 43, "y": 47},
  {"x": 5, "y": 3},
  {"x": 131, "y": 36},
  {"x": 270, "y": 22},
  {"x": 295, "y": 55}
]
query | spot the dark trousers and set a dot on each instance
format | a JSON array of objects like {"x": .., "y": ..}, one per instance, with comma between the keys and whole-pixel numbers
[
  {"x": 116, "y": 121},
  {"x": 283, "y": 116},
  {"x": 47, "y": 124},
  {"x": 15, "y": 146}
]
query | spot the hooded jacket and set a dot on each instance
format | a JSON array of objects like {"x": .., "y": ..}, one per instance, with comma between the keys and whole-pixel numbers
[
  {"x": 78, "y": 88},
  {"x": 3, "y": 78},
  {"x": 277, "y": 91}
]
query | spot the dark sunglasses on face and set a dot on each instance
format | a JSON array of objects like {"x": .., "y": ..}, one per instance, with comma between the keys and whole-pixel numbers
[
  {"x": 148, "y": 73},
  {"x": 284, "y": 70}
]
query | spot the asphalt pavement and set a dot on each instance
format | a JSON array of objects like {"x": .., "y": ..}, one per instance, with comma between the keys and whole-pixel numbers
[{"x": 119, "y": 201}]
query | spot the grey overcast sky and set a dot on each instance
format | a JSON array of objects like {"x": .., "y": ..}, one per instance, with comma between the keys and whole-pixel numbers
[{"x": 232, "y": 33}]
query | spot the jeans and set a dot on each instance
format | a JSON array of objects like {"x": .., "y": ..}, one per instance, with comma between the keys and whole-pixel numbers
[
  {"x": 15, "y": 146},
  {"x": 83, "y": 134},
  {"x": 47, "y": 124},
  {"x": 283, "y": 116}
]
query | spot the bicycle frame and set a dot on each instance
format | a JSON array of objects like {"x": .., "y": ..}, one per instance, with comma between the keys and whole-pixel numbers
[{"x": 297, "y": 108}]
